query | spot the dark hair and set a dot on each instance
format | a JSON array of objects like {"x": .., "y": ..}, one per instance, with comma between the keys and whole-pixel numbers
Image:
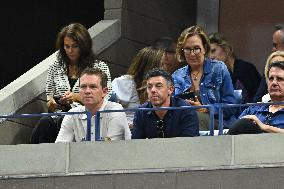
[
  {"x": 97, "y": 72},
  {"x": 165, "y": 43},
  {"x": 81, "y": 36},
  {"x": 278, "y": 27},
  {"x": 189, "y": 32},
  {"x": 159, "y": 72}
]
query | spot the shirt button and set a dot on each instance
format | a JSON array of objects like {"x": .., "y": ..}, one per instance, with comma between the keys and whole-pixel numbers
[{"x": 201, "y": 83}]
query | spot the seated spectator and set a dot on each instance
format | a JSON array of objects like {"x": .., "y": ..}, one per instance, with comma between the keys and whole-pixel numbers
[
  {"x": 277, "y": 45},
  {"x": 163, "y": 123},
  {"x": 248, "y": 80},
  {"x": 275, "y": 56},
  {"x": 266, "y": 118},
  {"x": 74, "y": 45},
  {"x": 93, "y": 89},
  {"x": 169, "y": 61},
  {"x": 208, "y": 79},
  {"x": 129, "y": 90}
]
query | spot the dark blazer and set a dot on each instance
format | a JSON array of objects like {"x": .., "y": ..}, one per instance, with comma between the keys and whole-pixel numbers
[{"x": 176, "y": 123}]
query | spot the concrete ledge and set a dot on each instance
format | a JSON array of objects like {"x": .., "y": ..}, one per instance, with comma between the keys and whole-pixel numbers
[
  {"x": 33, "y": 159},
  {"x": 258, "y": 149},
  {"x": 104, "y": 34},
  {"x": 234, "y": 179},
  {"x": 150, "y": 154},
  {"x": 25, "y": 88},
  {"x": 142, "y": 156}
]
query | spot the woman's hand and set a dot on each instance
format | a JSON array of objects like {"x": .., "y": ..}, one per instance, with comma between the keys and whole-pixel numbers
[
  {"x": 51, "y": 105},
  {"x": 196, "y": 102},
  {"x": 70, "y": 97}
]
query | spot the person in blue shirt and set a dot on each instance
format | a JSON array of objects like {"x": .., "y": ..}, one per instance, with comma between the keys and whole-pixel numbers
[
  {"x": 266, "y": 118},
  {"x": 163, "y": 123},
  {"x": 208, "y": 79}
]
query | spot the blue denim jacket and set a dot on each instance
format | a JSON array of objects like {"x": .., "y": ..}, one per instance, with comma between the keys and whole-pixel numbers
[{"x": 215, "y": 85}]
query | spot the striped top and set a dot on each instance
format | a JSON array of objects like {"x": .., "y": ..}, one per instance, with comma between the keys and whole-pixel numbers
[{"x": 57, "y": 80}]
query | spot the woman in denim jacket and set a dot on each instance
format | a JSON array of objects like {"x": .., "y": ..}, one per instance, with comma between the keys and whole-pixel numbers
[{"x": 208, "y": 79}]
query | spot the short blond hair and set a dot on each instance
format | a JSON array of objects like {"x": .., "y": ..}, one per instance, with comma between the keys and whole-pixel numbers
[{"x": 268, "y": 62}]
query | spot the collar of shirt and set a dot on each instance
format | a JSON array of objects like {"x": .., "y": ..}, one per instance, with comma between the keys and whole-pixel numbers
[
  {"x": 169, "y": 112},
  {"x": 84, "y": 116}
]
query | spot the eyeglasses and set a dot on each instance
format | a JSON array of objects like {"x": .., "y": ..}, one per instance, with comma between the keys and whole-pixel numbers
[
  {"x": 161, "y": 128},
  {"x": 195, "y": 50}
]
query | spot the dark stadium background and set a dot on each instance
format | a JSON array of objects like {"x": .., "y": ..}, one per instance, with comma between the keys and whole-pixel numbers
[{"x": 28, "y": 30}]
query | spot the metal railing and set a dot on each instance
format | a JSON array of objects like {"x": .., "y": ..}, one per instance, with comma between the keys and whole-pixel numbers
[
  {"x": 89, "y": 117},
  {"x": 211, "y": 108}
]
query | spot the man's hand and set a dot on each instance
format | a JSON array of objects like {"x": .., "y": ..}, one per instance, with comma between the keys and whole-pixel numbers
[{"x": 255, "y": 119}]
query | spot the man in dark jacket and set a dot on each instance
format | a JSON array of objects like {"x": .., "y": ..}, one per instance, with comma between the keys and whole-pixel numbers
[{"x": 163, "y": 123}]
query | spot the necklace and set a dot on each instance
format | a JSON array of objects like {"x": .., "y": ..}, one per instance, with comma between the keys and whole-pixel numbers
[
  {"x": 195, "y": 75},
  {"x": 73, "y": 71}
]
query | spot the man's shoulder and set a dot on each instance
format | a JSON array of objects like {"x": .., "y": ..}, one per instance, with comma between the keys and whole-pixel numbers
[
  {"x": 257, "y": 108},
  {"x": 112, "y": 106},
  {"x": 177, "y": 102},
  {"x": 79, "y": 108},
  {"x": 146, "y": 105}
]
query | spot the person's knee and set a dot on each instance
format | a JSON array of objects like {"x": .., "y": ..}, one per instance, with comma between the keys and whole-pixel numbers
[{"x": 243, "y": 126}]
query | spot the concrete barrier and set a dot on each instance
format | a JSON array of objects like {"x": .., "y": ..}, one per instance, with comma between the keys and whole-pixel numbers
[{"x": 200, "y": 162}]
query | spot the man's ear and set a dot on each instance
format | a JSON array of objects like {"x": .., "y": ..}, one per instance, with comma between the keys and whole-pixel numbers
[
  {"x": 105, "y": 91},
  {"x": 171, "y": 90}
]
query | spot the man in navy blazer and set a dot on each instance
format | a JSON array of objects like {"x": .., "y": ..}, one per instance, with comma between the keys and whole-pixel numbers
[{"x": 163, "y": 123}]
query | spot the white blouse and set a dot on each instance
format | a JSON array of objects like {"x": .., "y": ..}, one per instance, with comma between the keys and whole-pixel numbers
[
  {"x": 125, "y": 93},
  {"x": 57, "y": 82}
]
